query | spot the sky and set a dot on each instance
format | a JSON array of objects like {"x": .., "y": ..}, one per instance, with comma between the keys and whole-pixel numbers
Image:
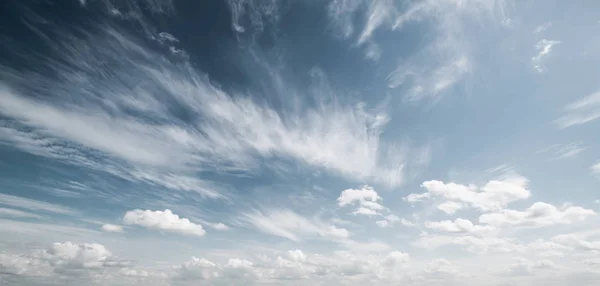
[{"x": 272, "y": 142}]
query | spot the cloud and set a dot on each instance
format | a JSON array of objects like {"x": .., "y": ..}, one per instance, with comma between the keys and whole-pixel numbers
[
  {"x": 494, "y": 195},
  {"x": 562, "y": 151},
  {"x": 112, "y": 228},
  {"x": 366, "y": 200},
  {"x": 391, "y": 219},
  {"x": 163, "y": 221},
  {"x": 596, "y": 168},
  {"x": 474, "y": 244},
  {"x": 379, "y": 12},
  {"x": 526, "y": 267},
  {"x": 544, "y": 47},
  {"x": 430, "y": 83},
  {"x": 542, "y": 27},
  {"x": 577, "y": 242},
  {"x": 228, "y": 131},
  {"x": 459, "y": 225},
  {"x": 34, "y": 205},
  {"x": 581, "y": 111},
  {"x": 66, "y": 258},
  {"x": 537, "y": 215},
  {"x": 288, "y": 224},
  {"x": 450, "y": 207},
  {"x": 7, "y": 212}
]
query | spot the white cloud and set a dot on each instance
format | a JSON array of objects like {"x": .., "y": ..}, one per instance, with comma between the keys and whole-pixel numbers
[
  {"x": 382, "y": 223},
  {"x": 474, "y": 244},
  {"x": 112, "y": 228},
  {"x": 198, "y": 269},
  {"x": 563, "y": 151},
  {"x": 542, "y": 27},
  {"x": 494, "y": 195},
  {"x": 544, "y": 47},
  {"x": 163, "y": 221},
  {"x": 526, "y": 267},
  {"x": 537, "y": 215},
  {"x": 450, "y": 207},
  {"x": 379, "y": 12},
  {"x": 596, "y": 170},
  {"x": 432, "y": 82},
  {"x": 65, "y": 258},
  {"x": 364, "y": 211},
  {"x": 581, "y": 111},
  {"x": 7, "y": 212},
  {"x": 366, "y": 199},
  {"x": 391, "y": 219},
  {"x": 344, "y": 139},
  {"x": 459, "y": 225},
  {"x": 218, "y": 226},
  {"x": 34, "y": 205},
  {"x": 288, "y": 224},
  {"x": 577, "y": 242}
]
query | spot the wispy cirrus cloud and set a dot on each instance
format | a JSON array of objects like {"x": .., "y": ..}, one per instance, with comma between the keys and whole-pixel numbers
[
  {"x": 581, "y": 111},
  {"x": 288, "y": 224},
  {"x": 228, "y": 133},
  {"x": 34, "y": 205},
  {"x": 543, "y": 47},
  {"x": 446, "y": 60}
]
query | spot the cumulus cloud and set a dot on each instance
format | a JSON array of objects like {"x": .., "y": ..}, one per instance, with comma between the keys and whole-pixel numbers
[
  {"x": 112, "y": 228},
  {"x": 163, "y": 221},
  {"x": 494, "y": 195},
  {"x": 544, "y": 47},
  {"x": 66, "y": 258},
  {"x": 537, "y": 215},
  {"x": 459, "y": 225},
  {"x": 365, "y": 199},
  {"x": 577, "y": 242},
  {"x": 524, "y": 266}
]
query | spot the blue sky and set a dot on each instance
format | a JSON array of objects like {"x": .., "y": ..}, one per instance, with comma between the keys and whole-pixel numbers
[{"x": 343, "y": 142}]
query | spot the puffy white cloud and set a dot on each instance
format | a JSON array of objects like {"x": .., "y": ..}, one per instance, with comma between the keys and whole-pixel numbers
[
  {"x": 66, "y": 258},
  {"x": 350, "y": 196},
  {"x": 198, "y": 269},
  {"x": 474, "y": 244},
  {"x": 537, "y": 215},
  {"x": 366, "y": 199},
  {"x": 450, "y": 207},
  {"x": 393, "y": 219},
  {"x": 112, "y": 228},
  {"x": 524, "y": 266},
  {"x": 596, "y": 169},
  {"x": 494, "y": 195},
  {"x": 382, "y": 223},
  {"x": 163, "y": 221},
  {"x": 288, "y": 224},
  {"x": 577, "y": 242},
  {"x": 459, "y": 225},
  {"x": 544, "y": 47}
]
